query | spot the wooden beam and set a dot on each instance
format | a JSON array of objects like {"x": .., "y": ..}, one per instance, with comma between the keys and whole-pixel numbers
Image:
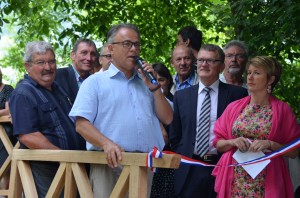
[
  {"x": 27, "y": 179},
  {"x": 82, "y": 180},
  {"x": 122, "y": 185},
  {"x": 5, "y": 140},
  {"x": 58, "y": 182},
  {"x": 4, "y": 119},
  {"x": 138, "y": 180},
  {"x": 70, "y": 185},
  {"x": 15, "y": 184},
  {"x": 94, "y": 157}
]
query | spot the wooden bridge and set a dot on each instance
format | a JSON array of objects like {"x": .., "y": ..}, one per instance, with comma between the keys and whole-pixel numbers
[{"x": 71, "y": 175}]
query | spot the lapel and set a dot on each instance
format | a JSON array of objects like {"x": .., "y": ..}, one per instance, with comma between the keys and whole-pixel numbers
[
  {"x": 193, "y": 100},
  {"x": 72, "y": 80},
  {"x": 222, "y": 98}
]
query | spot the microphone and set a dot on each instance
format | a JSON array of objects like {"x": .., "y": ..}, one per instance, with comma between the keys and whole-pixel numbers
[{"x": 139, "y": 63}]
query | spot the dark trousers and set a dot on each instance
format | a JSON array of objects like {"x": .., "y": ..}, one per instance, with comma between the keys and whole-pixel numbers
[{"x": 199, "y": 183}]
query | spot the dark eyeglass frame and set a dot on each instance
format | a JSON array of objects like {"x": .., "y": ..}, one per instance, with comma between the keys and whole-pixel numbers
[
  {"x": 128, "y": 44},
  {"x": 237, "y": 56},
  {"x": 208, "y": 61},
  {"x": 42, "y": 63}
]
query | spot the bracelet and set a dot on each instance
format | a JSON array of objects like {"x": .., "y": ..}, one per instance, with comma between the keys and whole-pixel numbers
[{"x": 156, "y": 88}]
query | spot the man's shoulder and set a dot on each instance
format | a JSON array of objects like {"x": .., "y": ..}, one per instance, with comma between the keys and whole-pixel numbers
[
  {"x": 233, "y": 88},
  {"x": 188, "y": 90},
  {"x": 61, "y": 72},
  {"x": 25, "y": 88}
]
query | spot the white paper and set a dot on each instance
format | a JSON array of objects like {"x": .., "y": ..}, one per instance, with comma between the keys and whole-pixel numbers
[{"x": 252, "y": 169}]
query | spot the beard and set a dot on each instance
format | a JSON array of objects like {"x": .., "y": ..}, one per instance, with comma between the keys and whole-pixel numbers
[{"x": 234, "y": 70}]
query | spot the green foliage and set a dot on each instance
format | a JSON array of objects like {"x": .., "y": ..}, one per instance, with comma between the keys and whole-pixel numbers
[{"x": 269, "y": 27}]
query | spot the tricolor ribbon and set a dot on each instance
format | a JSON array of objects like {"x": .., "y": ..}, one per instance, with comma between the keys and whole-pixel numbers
[
  {"x": 186, "y": 160},
  {"x": 155, "y": 153}
]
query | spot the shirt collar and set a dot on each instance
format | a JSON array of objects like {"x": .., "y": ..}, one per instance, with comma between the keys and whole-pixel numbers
[
  {"x": 213, "y": 86},
  {"x": 189, "y": 80},
  {"x": 77, "y": 76},
  {"x": 113, "y": 71}
]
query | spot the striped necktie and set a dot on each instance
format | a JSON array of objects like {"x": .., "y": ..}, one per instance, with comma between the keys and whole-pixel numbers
[{"x": 202, "y": 137}]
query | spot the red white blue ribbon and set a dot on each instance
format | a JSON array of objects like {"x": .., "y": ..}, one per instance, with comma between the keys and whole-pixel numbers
[
  {"x": 155, "y": 153},
  {"x": 185, "y": 160},
  {"x": 287, "y": 148}
]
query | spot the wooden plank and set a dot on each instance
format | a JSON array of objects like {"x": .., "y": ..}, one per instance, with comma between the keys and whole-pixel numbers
[
  {"x": 122, "y": 185},
  {"x": 15, "y": 184},
  {"x": 70, "y": 185},
  {"x": 4, "y": 193},
  {"x": 27, "y": 179},
  {"x": 5, "y": 166},
  {"x": 138, "y": 180},
  {"x": 5, "y": 119},
  {"x": 94, "y": 157},
  {"x": 5, "y": 139},
  {"x": 82, "y": 180},
  {"x": 58, "y": 182}
]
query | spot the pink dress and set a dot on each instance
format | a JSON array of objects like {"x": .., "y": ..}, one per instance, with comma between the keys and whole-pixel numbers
[{"x": 284, "y": 129}]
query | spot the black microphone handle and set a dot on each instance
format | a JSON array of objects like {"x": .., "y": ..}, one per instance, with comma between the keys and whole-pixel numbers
[{"x": 149, "y": 75}]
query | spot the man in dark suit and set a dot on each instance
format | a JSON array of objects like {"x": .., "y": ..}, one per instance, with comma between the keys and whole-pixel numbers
[
  {"x": 194, "y": 181},
  {"x": 84, "y": 57}
]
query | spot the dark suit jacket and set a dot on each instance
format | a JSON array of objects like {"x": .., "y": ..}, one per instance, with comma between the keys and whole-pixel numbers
[
  {"x": 66, "y": 78},
  {"x": 183, "y": 128}
]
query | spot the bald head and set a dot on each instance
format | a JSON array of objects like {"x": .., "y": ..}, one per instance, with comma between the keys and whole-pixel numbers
[{"x": 182, "y": 60}]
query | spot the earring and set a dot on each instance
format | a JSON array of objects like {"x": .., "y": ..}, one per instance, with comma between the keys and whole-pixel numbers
[{"x": 269, "y": 89}]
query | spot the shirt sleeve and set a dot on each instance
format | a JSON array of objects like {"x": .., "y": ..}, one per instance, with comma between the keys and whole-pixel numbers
[{"x": 86, "y": 102}]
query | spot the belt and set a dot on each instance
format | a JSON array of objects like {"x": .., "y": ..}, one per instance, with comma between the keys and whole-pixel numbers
[{"x": 210, "y": 158}]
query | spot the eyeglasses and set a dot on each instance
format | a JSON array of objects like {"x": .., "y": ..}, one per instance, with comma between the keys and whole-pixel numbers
[
  {"x": 108, "y": 56},
  {"x": 129, "y": 44},
  {"x": 42, "y": 63},
  {"x": 208, "y": 61},
  {"x": 237, "y": 56}
]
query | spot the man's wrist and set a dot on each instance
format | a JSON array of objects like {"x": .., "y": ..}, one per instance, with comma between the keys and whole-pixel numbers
[{"x": 156, "y": 88}]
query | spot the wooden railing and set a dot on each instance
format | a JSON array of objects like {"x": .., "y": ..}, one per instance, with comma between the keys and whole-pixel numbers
[{"x": 71, "y": 175}]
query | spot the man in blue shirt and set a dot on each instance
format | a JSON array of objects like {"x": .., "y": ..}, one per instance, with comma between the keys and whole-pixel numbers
[
  {"x": 119, "y": 109},
  {"x": 39, "y": 110},
  {"x": 182, "y": 60}
]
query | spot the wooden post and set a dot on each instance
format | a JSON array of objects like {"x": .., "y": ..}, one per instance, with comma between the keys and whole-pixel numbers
[
  {"x": 138, "y": 182},
  {"x": 27, "y": 179},
  {"x": 122, "y": 185},
  {"x": 82, "y": 180},
  {"x": 58, "y": 182}
]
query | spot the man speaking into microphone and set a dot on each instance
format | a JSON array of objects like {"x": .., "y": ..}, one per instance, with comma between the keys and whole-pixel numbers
[{"x": 120, "y": 109}]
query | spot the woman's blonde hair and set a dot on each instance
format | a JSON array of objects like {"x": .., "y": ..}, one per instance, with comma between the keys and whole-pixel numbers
[{"x": 269, "y": 64}]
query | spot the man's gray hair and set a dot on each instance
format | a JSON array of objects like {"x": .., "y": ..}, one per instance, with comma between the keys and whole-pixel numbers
[
  {"x": 240, "y": 44},
  {"x": 114, "y": 30},
  {"x": 102, "y": 48},
  {"x": 36, "y": 47}
]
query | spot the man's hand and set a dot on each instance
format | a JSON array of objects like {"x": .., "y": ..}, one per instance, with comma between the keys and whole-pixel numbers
[
  {"x": 113, "y": 153},
  {"x": 148, "y": 68}
]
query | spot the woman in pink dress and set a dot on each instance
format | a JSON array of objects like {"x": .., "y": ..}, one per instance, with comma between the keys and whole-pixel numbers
[{"x": 265, "y": 120}]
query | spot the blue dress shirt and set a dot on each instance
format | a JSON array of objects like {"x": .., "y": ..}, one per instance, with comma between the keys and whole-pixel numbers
[{"x": 121, "y": 109}]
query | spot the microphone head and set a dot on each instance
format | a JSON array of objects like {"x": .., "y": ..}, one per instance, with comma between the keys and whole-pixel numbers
[{"x": 137, "y": 58}]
